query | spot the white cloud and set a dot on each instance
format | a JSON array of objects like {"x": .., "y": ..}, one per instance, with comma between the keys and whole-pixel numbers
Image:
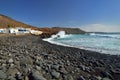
[{"x": 101, "y": 28}]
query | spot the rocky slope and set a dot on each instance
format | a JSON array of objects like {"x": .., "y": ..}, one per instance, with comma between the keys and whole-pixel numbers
[{"x": 6, "y": 22}]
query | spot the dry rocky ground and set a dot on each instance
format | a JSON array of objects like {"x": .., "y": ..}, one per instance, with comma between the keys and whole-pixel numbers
[{"x": 30, "y": 58}]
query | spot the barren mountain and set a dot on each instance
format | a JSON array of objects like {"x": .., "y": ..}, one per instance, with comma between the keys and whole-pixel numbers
[{"x": 6, "y": 22}]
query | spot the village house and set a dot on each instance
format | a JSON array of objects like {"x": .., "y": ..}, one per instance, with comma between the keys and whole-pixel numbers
[
  {"x": 12, "y": 30},
  {"x": 2, "y": 30},
  {"x": 23, "y": 30},
  {"x": 20, "y": 30},
  {"x": 36, "y": 32}
]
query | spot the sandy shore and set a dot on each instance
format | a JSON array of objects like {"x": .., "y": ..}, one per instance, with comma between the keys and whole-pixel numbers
[{"x": 31, "y": 58}]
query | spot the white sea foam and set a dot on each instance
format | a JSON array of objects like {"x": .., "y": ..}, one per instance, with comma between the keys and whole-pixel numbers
[{"x": 59, "y": 35}]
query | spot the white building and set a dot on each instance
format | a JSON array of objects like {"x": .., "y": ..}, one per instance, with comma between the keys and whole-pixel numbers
[
  {"x": 12, "y": 30},
  {"x": 36, "y": 32},
  {"x": 2, "y": 30},
  {"x": 20, "y": 30},
  {"x": 17, "y": 30},
  {"x": 23, "y": 30}
]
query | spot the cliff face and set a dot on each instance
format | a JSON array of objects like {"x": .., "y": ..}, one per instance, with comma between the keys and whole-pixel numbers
[
  {"x": 47, "y": 32},
  {"x": 70, "y": 30}
]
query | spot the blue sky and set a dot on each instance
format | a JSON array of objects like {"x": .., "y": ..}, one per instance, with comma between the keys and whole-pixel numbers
[{"x": 68, "y": 13}]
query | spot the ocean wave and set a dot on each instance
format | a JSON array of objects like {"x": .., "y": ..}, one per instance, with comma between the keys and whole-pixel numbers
[
  {"x": 59, "y": 35},
  {"x": 117, "y": 36},
  {"x": 103, "y": 43}
]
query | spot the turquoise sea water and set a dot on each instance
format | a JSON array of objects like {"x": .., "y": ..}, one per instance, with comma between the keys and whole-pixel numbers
[{"x": 108, "y": 43}]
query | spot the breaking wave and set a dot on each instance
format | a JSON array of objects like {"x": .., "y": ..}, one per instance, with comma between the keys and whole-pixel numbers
[
  {"x": 111, "y": 35},
  {"x": 107, "y": 43}
]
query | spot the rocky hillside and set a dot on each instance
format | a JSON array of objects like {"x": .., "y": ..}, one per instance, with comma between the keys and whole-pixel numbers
[
  {"x": 70, "y": 30},
  {"x": 49, "y": 31},
  {"x": 6, "y": 22}
]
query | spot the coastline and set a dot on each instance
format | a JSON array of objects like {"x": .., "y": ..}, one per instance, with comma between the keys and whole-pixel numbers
[{"x": 31, "y": 58}]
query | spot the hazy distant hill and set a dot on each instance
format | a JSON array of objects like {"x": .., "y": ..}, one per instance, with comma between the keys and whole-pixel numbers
[
  {"x": 6, "y": 22},
  {"x": 70, "y": 30}
]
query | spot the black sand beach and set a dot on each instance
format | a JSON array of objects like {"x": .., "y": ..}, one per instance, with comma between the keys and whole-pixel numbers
[{"x": 31, "y": 58}]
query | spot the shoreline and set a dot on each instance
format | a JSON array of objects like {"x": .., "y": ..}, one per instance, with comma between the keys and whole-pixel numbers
[
  {"x": 49, "y": 40},
  {"x": 31, "y": 58}
]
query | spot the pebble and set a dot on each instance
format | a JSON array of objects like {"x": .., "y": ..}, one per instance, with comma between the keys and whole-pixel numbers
[
  {"x": 26, "y": 78},
  {"x": 106, "y": 74},
  {"x": 12, "y": 71},
  {"x": 81, "y": 78},
  {"x": 11, "y": 78},
  {"x": 2, "y": 75},
  {"x": 94, "y": 77},
  {"x": 56, "y": 67},
  {"x": 82, "y": 67},
  {"x": 98, "y": 77},
  {"x": 70, "y": 77},
  {"x": 55, "y": 74},
  {"x": 19, "y": 76},
  {"x": 63, "y": 70},
  {"x": 106, "y": 79},
  {"x": 39, "y": 63},
  {"x": 38, "y": 67},
  {"x": 68, "y": 63},
  {"x": 37, "y": 76},
  {"x": 10, "y": 60}
]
